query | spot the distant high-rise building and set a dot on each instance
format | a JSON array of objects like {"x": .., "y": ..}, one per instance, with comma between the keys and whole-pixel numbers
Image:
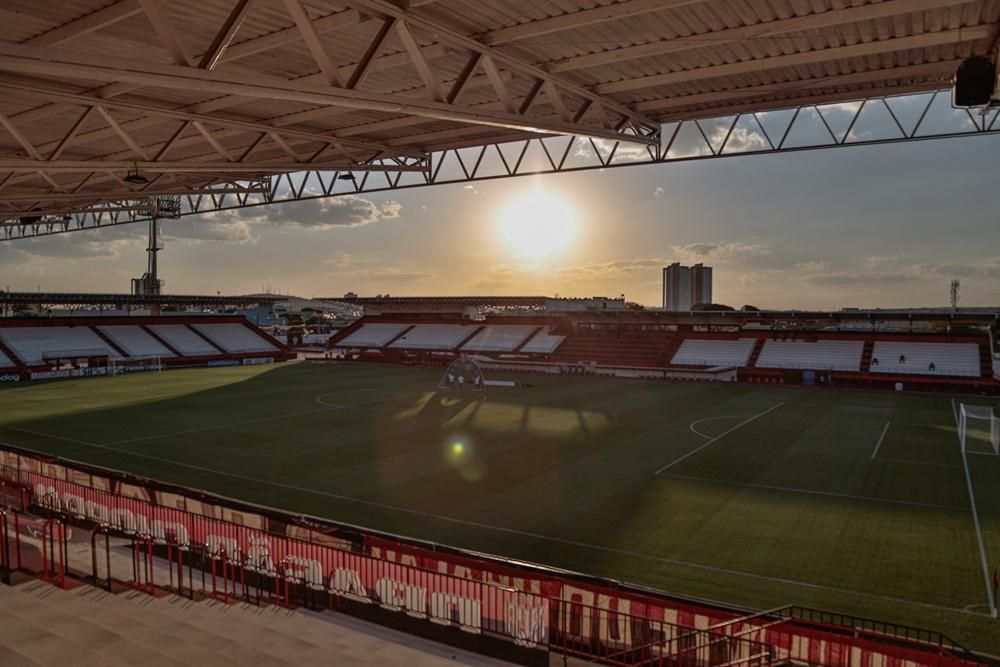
[{"x": 684, "y": 286}]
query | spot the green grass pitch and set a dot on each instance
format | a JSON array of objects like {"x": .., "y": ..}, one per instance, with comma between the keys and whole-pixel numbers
[{"x": 847, "y": 501}]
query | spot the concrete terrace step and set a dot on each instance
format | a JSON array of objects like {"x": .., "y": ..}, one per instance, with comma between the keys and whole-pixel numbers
[
  {"x": 162, "y": 641},
  {"x": 156, "y": 639},
  {"x": 225, "y": 642},
  {"x": 45, "y": 625}
]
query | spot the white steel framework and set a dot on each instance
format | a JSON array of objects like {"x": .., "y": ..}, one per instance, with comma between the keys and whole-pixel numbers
[
  {"x": 882, "y": 120},
  {"x": 106, "y": 103}
]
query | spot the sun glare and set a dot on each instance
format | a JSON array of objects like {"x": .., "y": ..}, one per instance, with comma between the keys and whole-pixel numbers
[{"x": 537, "y": 224}]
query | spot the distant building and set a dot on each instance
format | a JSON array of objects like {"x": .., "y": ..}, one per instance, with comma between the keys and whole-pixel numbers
[{"x": 684, "y": 286}]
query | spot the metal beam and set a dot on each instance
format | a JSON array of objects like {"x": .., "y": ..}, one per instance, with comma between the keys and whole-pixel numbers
[
  {"x": 210, "y": 59},
  {"x": 757, "y": 65},
  {"x": 182, "y": 167},
  {"x": 448, "y": 36},
  {"x": 312, "y": 41},
  {"x": 717, "y": 38},
  {"x": 92, "y": 22},
  {"x": 165, "y": 31},
  {"x": 581, "y": 19},
  {"x": 792, "y": 89},
  {"x": 564, "y": 155},
  {"x": 179, "y": 114},
  {"x": 21, "y": 59}
]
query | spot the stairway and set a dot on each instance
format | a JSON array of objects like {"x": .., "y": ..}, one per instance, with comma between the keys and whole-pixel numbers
[
  {"x": 670, "y": 350},
  {"x": 758, "y": 347},
  {"x": 111, "y": 343},
  {"x": 866, "y": 356},
  {"x": 206, "y": 339},
  {"x": 44, "y": 625},
  {"x": 18, "y": 364},
  {"x": 162, "y": 342}
]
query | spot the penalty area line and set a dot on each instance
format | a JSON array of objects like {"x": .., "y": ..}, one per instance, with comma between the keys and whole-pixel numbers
[{"x": 718, "y": 437}]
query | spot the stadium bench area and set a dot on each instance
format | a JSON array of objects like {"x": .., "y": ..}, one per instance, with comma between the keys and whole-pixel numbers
[
  {"x": 376, "y": 334},
  {"x": 711, "y": 352},
  {"x": 33, "y": 344},
  {"x": 543, "y": 342},
  {"x": 831, "y": 355},
  {"x": 135, "y": 341},
  {"x": 906, "y": 358},
  {"x": 234, "y": 338},
  {"x": 434, "y": 336},
  {"x": 184, "y": 340},
  {"x": 629, "y": 347},
  {"x": 499, "y": 338}
]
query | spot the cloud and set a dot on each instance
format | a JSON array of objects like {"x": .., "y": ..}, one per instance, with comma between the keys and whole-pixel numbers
[
  {"x": 892, "y": 269},
  {"x": 320, "y": 213},
  {"x": 340, "y": 260},
  {"x": 500, "y": 278},
  {"x": 389, "y": 274},
  {"x": 740, "y": 140},
  {"x": 814, "y": 265},
  {"x": 196, "y": 229},
  {"x": 701, "y": 251},
  {"x": 108, "y": 242},
  {"x": 847, "y": 278},
  {"x": 612, "y": 270}
]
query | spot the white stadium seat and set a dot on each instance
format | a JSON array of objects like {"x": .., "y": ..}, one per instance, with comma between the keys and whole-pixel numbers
[
  {"x": 185, "y": 341},
  {"x": 543, "y": 343},
  {"x": 136, "y": 341},
  {"x": 376, "y": 334},
  {"x": 434, "y": 336},
  {"x": 827, "y": 355},
  {"x": 234, "y": 338},
  {"x": 960, "y": 359},
  {"x": 33, "y": 344},
  {"x": 714, "y": 352},
  {"x": 499, "y": 338}
]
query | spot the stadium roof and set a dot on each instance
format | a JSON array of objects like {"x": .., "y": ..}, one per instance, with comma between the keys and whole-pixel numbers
[{"x": 111, "y": 100}]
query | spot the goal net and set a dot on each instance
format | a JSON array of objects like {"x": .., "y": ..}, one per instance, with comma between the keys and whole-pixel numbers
[
  {"x": 979, "y": 429},
  {"x": 134, "y": 365},
  {"x": 463, "y": 374}
]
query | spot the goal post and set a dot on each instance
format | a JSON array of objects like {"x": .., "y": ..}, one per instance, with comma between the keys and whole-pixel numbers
[
  {"x": 118, "y": 365},
  {"x": 979, "y": 429},
  {"x": 463, "y": 374}
]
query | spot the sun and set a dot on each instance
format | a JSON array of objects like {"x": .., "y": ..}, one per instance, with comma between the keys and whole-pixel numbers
[{"x": 537, "y": 224}]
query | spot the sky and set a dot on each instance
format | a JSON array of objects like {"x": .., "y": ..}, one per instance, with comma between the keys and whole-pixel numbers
[{"x": 874, "y": 226}]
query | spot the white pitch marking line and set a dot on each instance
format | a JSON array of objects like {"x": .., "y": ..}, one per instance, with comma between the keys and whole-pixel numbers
[
  {"x": 514, "y": 531},
  {"x": 975, "y": 518},
  {"x": 813, "y": 492},
  {"x": 880, "y": 439},
  {"x": 717, "y": 438},
  {"x": 698, "y": 421}
]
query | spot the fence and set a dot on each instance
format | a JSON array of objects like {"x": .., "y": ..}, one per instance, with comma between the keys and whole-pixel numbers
[{"x": 252, "y": 552}]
